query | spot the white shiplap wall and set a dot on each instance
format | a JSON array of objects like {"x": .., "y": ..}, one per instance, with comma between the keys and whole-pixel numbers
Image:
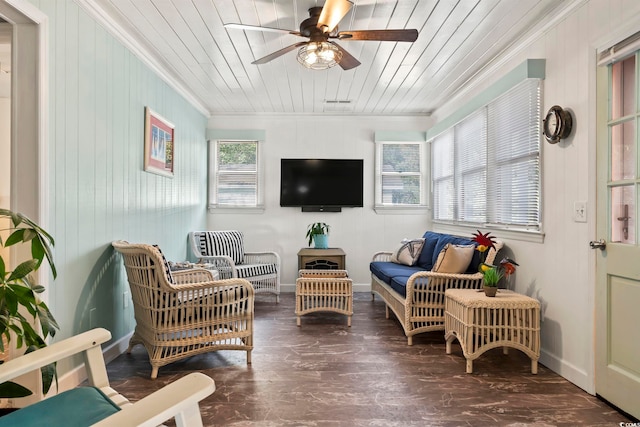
[
  {"x": 359, "y": 231},
  {"x": 561, "y": 271},
  {"x": 98, "y": 190}
]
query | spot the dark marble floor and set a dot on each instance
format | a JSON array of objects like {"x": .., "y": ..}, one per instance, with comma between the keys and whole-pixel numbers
[{"x": 327, "y": 374}]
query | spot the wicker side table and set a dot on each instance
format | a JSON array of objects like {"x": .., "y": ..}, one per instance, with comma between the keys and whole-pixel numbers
[
  {"x": 324, "y": 290},
  {"x": 481, "y": 323}
]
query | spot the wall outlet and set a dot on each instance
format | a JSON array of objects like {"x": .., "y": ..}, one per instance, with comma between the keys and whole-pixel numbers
[
  {"x": 125, "y": 299},
  {"x": 580, "y": 211}
]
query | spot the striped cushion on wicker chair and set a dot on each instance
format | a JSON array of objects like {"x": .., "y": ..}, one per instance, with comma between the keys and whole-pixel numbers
[
  {"x": 226, "y": 250},
  {"x": 251, "y": 270},
  {"x": 229, "y": 243}
]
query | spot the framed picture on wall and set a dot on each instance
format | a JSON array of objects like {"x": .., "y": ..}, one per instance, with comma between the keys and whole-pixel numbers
[{"x": 158, "y": 144}]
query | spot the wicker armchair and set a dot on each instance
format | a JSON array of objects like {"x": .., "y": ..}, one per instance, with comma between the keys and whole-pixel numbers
[
  {"x": 180, "y": 314},
  {"x": 225, "y": 249}
]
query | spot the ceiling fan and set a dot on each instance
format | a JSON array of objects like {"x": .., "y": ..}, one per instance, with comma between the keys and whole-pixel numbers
[{"x": 320, "y": 52}]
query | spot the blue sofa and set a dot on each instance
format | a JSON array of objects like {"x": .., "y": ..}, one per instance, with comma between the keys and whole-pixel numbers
[{"x": 415, "y": 293}]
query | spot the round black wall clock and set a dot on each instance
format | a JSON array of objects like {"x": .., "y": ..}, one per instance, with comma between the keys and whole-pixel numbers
[{"x": 557, "y": 124}]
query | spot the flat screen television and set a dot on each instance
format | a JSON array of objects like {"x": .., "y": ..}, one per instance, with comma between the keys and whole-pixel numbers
[{"x": 321, "y": 184}]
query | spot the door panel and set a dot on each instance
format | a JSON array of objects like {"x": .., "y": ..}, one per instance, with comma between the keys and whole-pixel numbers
[
  {"x": 618, "y": 266},
  {"x": 624, "y": 349}
]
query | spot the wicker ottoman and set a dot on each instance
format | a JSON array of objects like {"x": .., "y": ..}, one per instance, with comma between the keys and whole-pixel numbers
[
  {"x": 324, "y": 290},
  {"x": 481, "y": 323}
]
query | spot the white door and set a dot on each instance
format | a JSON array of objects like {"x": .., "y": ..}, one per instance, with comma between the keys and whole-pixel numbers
[{"x": 618, "y": 265}]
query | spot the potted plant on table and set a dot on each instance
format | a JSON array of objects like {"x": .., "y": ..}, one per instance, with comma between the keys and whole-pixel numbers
[
  {"x": 318, "y": 233},
  {"x": 492, "y": 274},
  {"x": 19, "y": 301}
]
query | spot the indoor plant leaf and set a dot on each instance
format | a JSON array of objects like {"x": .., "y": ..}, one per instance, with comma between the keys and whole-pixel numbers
[
  {"x": 18, "y": 294},
  {"x": 10, "y": 389},
  {"x": 28, "y": 234},
  {"x": 48, "y": 374},
  {"x": 15, "y": 237},
  {"x": 23, "y": 270}
]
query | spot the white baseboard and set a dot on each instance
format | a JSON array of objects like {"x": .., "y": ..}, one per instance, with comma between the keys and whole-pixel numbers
[
  {"x": 357, "y": 287},
  {"x": 570, "y": 372},
  {"x": 77, "y": 375}
]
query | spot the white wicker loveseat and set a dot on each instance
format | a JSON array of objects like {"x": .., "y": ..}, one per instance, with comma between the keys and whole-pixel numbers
[
  {"x": 415, "y": 293},
  {"x": 183, "y": 313},
  {"x": 225, "y": 250}
]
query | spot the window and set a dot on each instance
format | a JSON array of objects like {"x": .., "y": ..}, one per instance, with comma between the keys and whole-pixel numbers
[
  {"x": 234, "y": 179},
  {"x": 486, "y": 168},
  {"x": 400, "y": 175},
  {"x": 623, "y": 184}
]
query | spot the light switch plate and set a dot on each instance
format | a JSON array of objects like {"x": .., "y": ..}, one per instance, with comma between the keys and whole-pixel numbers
[{"x": 580, "y": 211}]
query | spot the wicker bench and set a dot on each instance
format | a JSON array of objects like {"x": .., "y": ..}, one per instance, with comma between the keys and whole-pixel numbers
[
  {"x": 324, "y": 290},
  {"x": 420, "y": 307}
]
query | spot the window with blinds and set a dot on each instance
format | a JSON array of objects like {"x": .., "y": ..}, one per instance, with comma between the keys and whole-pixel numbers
[
  {"x": 401, "y": 175},
  {"x": 234, "y": 178},
  {"x": 486, "y": 168}
]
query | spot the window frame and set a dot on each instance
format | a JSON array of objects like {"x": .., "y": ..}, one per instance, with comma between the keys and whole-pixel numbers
[
  {"x": 490, "y": 164},
  {"x": 423, "y": 178},
  {"x": 213, "y": 178}
]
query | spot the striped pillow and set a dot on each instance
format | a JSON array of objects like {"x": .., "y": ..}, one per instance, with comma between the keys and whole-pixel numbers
[
  {"x": 229, "y": 243},
  {"x": 167, "y": 267}
]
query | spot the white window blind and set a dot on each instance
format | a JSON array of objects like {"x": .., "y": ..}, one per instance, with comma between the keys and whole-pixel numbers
[
  {"x": 471, "y": 173},
  {"x": 442, "y": 169},
  {"x": 234, "y": 178},
  {"x": 486, "y": 168},
  {"x": 514, "y": 162}
]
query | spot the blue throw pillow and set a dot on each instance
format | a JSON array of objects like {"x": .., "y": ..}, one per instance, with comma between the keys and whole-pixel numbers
[{"x": 426, "y": 259}]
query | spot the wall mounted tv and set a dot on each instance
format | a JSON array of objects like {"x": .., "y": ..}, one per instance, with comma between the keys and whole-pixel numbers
[{"x": 321, "y": 185}]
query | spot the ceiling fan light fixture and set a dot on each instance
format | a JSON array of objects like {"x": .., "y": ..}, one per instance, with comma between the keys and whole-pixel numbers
[{"x": 319, "y": 55}]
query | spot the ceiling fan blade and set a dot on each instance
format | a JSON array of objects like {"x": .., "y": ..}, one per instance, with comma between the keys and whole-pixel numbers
[
  {"x": 266, "y": 29},
  {"x": 332, "y": 12},
  {"x": 348, "y": 61},
  {"x": 278, "y": 53},
  {"x": 380, "y": 35}
]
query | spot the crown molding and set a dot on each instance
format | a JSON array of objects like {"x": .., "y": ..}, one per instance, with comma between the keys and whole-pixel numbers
[{"x": 131, "y": 42}]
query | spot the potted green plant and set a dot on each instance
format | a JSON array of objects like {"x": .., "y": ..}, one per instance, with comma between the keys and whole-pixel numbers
[
  {"x": 318, "y": 234},
  {"x": 19, "y": 301},
  {"x": 490, "y": 281}
]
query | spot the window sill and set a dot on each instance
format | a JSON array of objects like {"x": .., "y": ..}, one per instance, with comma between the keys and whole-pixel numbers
[
  {"x": 235, "y": 210},
  {"x": 500, "y": 233},
  {"x": 401, "y": 210}
]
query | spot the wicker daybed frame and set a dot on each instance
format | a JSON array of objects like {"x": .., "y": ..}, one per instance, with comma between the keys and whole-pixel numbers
[
  {"x": 422, "y": 310},
  {"x": 194, "y": 314}
]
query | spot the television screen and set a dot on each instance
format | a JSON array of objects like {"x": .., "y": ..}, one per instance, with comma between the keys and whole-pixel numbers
[{"x": 321, "y": 182}]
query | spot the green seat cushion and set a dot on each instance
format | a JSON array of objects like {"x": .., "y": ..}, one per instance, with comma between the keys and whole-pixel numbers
[{"x": 78, "y": 407}]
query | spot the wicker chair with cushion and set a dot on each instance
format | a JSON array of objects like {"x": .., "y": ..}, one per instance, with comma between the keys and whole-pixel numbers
[
  {"x": 98, "y": 404},
  {"x": 225, "y": 249},
  {"x": 180, "y": 314}
]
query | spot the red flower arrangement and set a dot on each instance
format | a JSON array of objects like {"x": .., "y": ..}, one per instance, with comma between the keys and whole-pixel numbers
[{"x": 492, "y": 273}]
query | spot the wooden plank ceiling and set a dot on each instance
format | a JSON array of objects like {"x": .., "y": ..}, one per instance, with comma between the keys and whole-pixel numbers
[{"x": 457, "y": 39}]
